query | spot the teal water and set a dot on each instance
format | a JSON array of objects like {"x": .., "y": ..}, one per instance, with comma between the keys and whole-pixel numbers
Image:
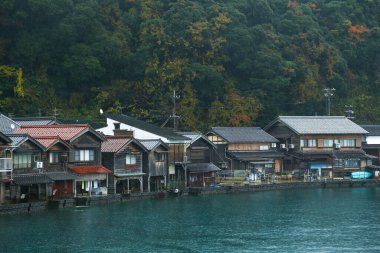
[{"x": 312, "y": 220}]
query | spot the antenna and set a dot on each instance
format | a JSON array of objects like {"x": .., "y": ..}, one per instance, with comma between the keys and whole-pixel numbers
[
  {"x": 328, "y": 93},
  {"x": 349, "y": 112},
  {"x": 174, "y": 115},
  {"x": 55, "y": 113},
  {"x": 101, "y": 111}
]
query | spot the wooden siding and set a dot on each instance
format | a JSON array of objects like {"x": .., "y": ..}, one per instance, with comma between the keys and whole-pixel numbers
[
  {"x": 86, "y": 141},
  {"x": 176, "y": 153},
  {"x": 246, "y": 146}
]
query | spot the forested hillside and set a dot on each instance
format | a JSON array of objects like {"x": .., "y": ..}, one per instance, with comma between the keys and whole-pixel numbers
[{"x": 233, "y": 63}]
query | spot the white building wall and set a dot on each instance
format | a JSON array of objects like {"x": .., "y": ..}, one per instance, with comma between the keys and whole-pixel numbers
[
  {"x": 373, "y": 139},
  {"x": 138, "y": 133}
]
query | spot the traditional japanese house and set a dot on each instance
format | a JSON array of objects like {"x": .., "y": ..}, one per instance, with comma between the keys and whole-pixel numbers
[
  {"x": 146, "y": 131},
  {"x": 123, "y": 155},
  {"x": 29, "y": 182},
  {"x": 326, "y": 145},
  {"x": 84, "y": 157},
  {"x": 246, "y": 150},
  {"x": 55, "y": 164},
  {"x": 6, "y": 166},
  {"x": 200, "y": 153},
  {"x": 155, "y": 164}
]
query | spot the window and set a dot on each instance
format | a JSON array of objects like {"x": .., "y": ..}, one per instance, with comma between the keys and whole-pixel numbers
[
  {"x": 130, "y": 159},
  {"x": 348, "y": 143},
  {"x": 308, "y": 143},
  {"x": 274, "y": 145},
  {"x": 328, "y": 143},
  {"x": 54, "y": 157},
  {"x": 22, "y": 161},
  {"x": 351, "y": 163},
  {"x": 84, "y": 155},
  {"x": 264, "y": 147},
  {"x": 160, "y": 157}
]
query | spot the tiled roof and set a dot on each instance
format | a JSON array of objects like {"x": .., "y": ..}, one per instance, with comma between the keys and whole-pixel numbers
[
  {"x": 255, "y": 155},
  {"x": 194, "y": 136},
  {"x": 5, "y": 138},
  {"x": 373, "y": 130},
  {"x": 18, "y": 139},
  {"x": 319, "y": 125},
  {"x": 202, "y": 167},
  {"x": 31, "y": 121},
  {"x": 114, "y": 144},
  {"x": 65, "y": 132},
  {"x": 29, "y": 179},
  {"x": 164, "y": 132},
  {"x": 90, "y": 169},
  {"x": 153, "y": 144},
  {"x": 243, "y": 134},
  {"x": 7, "y": 125},
  {"x": 48, "y": 142}
]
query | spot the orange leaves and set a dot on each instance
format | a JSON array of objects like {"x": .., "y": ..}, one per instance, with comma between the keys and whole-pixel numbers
[
  {"x": 357, "y": 32},
  {"x": 292, "y": 4}
]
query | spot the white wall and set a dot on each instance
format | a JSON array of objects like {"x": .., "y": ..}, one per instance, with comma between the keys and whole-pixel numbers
[
  {"x": 138, "y": 133},
  {"x": 373, "y": 139}
]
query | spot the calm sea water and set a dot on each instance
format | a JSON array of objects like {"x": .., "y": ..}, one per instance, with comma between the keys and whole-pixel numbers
[{"x": 312, "y": 220}]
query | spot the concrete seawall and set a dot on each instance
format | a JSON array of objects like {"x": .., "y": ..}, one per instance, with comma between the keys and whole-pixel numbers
[{"x": 101, "y": 200}]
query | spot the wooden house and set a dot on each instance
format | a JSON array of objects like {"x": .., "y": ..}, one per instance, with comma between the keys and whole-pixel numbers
[
  {"x": 326, "y": 145},
  {"x": 84, "y": 157},
  {"x": 123, "y": 155},
  {"x": 28, "y": 179},
  {"x": 54, "y": 163},
  {"x": 245, "y": 150},
  {"x": 200, "y": 153},
  {"x": 371, "y": 145},
  {"x": 145, "y": 131},
  {"x": 155, "y": 164}
]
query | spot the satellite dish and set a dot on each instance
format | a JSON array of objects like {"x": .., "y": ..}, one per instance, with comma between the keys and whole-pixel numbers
[
  {"x": 13, "y": 126},
  {"x": 101, "y": 111}
]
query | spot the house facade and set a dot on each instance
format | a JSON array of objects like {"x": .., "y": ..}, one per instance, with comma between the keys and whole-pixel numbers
[
  {"x": 155, "y": 165},
  {"x": 200, "y": 152},
  {"x": 245, "y": 150},
  {"x": 328, "y": 146},
  {"x": 6, "y": 166},
  {"x": 123, "y": 155},
  {"x": 145, "y": 131},
  {"x": 83, "y": 145}
]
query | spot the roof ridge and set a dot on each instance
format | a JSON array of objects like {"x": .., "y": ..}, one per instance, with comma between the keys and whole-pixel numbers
[{"x": 55, "y": 126}]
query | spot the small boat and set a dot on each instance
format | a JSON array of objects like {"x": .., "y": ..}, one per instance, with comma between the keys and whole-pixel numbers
[{"x": 361, "y": 175}]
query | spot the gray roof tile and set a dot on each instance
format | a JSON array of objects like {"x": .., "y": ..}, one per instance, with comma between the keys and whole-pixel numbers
[
  {"x": 320, "y": 125},
  {"x": 7, "y": 125},
  {"x": 152, "y": 144},
  {"x": 373, "y": 130},
  {"x": 243, "y": 134}
]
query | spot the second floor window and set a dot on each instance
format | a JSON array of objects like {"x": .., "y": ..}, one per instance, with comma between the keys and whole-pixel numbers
[
  {"x": 160, "y": 157},
  {"x": 22, "y": 161},
  {"x": 264, "y": 147},
  {"x": 130, "y": 159},
  {"x": 328, "y": 143},
  {"x": 308, "y": 143},
  {"x": 83, "y": 155},
  {"x": 54, "y": 157}
]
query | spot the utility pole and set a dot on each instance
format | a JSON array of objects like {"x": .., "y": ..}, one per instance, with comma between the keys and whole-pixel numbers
[
  {"x": 55, "y": 113},
  {"x": 349, "y": 112},
  {"x": 328, "y": 93},
  {"x": 174, "y": 115}
]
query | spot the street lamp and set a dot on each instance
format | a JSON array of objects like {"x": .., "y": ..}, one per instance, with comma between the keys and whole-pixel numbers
[{"x": 328, "y": 93}]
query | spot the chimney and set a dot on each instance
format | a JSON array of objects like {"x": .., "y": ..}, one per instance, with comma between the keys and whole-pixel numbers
[{"x": 123, "y": 133}]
